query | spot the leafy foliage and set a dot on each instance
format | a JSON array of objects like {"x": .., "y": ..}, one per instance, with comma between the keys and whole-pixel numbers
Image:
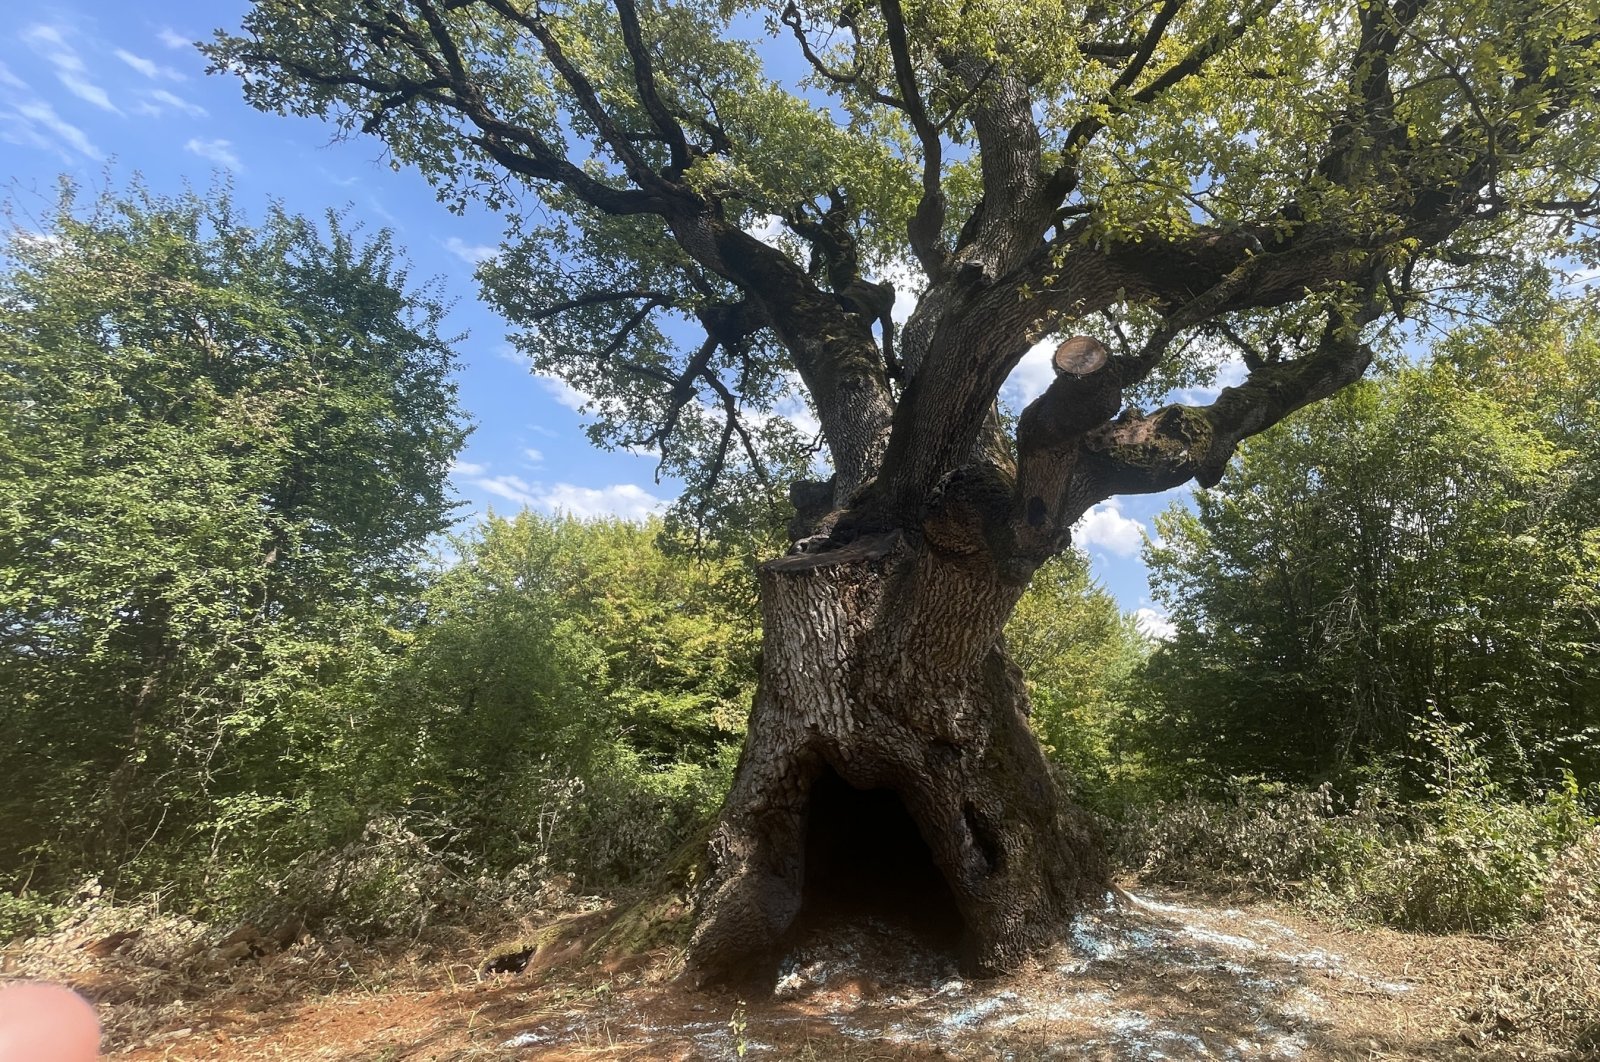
[
  {"x": 711, "y": 208},
  {"x": 1462, "y": 860},
  {"x": 1080, "y": 654},
  {"x": 575, "y": 695},
  {"x": 1414, "y": 557},
  {"x": 228, "y": 445}
]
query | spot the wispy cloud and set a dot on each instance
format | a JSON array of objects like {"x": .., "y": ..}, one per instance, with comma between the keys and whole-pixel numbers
[
  {"x": 50, "y": 44},
  {"x": 562, "y": 391},
  {"x": 173, "y": 39},
  {"x": 148, "y": 67},
  {"x": 39, "y": 115},
  {"x": 532, "y": 456},
  {"x": 343, "y": 182},
  {"x": 471, "y": 253},
  {"x": 165, "y": 101},
  {"x": 88, "y": 91},
  {"x": 10, "y": 80},
  {"x": 467, "y": 468},
  {"x": 217, "y": 151}
]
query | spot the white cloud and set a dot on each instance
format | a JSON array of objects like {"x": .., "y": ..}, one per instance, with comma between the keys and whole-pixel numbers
[
  {"x": 769, "y": 229},
  {"x": 173, "y": 39},
  {"x": 625, "y": 500},
  {"x": 177, "y": 103},
  {"x": 622, "y": 499},
  {"x": 1032, "y": 375},
  {"x": 16, "y": 129},
  {"x": 88, "y": 91},
  {"x": 40, "y": 113},
  {"x": 533, "y": 457},
  {"x": 471, "y": 253},
  {"x": 562, "y": 391},
  {"x": 1106, "y": 527},
  {"x": 10, "y": 80},
  {"x": 794, "y": 408},
  {"x": 50, "y": 44},
  {"x": 511, "y": 488},
  {"x": 1231, "y": 373},
  {"x": 467, "y": 468},
  {"x": 908, "y": 281},
  {"x": 217, "y": 151},
  {"x": 148, "y": 67},
  {"x": 49, "y": 244},
  {"x": 1153, "y": 624}
]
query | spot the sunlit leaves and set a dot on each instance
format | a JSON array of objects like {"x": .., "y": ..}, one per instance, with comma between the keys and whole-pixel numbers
[
  {"x": 230, "y": 443},
  {"x": 1411, "y": 549}
]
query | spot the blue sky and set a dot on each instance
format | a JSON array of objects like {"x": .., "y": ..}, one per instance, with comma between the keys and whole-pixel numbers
[{"x": 104, "y": 91}]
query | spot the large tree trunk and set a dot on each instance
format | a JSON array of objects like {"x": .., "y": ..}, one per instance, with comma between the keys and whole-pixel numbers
[{"x": 883, "y": 666}]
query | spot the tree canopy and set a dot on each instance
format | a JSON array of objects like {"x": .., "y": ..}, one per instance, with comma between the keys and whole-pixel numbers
[
  {"x": 225, "y": 447},
  {"x": 710, "y": 203}
]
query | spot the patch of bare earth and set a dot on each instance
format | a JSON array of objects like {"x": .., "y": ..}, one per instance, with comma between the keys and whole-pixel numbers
[{"x": 1149, "y": 976}]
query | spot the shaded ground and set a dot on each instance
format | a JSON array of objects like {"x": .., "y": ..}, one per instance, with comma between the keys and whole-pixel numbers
[{"x": 1152, "y": 977}]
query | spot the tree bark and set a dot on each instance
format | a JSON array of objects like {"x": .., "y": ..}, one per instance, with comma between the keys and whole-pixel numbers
[{"x": 883, "y": 663}]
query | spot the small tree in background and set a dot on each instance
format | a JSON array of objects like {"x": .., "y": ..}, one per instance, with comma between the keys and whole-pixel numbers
[
  {"x": 574, "y": 696},
  {"x": 224, "y": 447},
  {"x": 1081, "y": 655}
]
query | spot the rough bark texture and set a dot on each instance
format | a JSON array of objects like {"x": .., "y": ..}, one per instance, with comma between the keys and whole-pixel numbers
[{"x": 882, "y": 662}]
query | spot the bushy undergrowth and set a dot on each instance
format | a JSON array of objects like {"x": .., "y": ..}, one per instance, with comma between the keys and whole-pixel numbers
[{"x": 1464, "y": 861}]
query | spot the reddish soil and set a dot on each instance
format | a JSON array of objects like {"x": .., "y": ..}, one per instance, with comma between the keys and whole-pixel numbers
[{"x": 1153, "y": 976}]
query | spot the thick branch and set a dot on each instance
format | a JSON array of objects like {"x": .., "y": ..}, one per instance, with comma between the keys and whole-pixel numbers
[
  {"x": 1144, "y": 454},
  {"x": 928, "y": 221},
  {"x": 1013, "y": 214},
  {"x": 644, "y": 80},
  {"x": 588, "y": 99}
]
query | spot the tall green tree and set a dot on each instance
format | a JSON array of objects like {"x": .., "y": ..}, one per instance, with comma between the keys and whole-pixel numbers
[
  {"x": 1413, "y": 554},
  {"x": 696, "y": 241},
  {"x": 224, "y": 446}
]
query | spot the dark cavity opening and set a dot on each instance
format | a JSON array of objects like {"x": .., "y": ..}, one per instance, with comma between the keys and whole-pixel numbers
[{"x": 865, "y": 858}]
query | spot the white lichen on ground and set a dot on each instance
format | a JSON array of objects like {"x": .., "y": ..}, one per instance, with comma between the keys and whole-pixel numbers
[{"x": 1136, "y": 978}]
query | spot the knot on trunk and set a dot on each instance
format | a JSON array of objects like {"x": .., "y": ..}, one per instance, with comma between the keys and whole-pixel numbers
[{"x": 968, "y": 512}]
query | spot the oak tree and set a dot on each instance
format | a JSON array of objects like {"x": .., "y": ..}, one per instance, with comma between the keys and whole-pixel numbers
[{"x": 711, "y": 205}]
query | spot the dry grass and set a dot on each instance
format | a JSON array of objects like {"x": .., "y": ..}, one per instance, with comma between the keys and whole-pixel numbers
[
  {"x": 1551, "y": 989},
  {"x": 158, "y": 978}
]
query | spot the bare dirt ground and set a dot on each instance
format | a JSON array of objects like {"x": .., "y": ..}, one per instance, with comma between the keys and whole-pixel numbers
[{"x": 1149, "y": 976}]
